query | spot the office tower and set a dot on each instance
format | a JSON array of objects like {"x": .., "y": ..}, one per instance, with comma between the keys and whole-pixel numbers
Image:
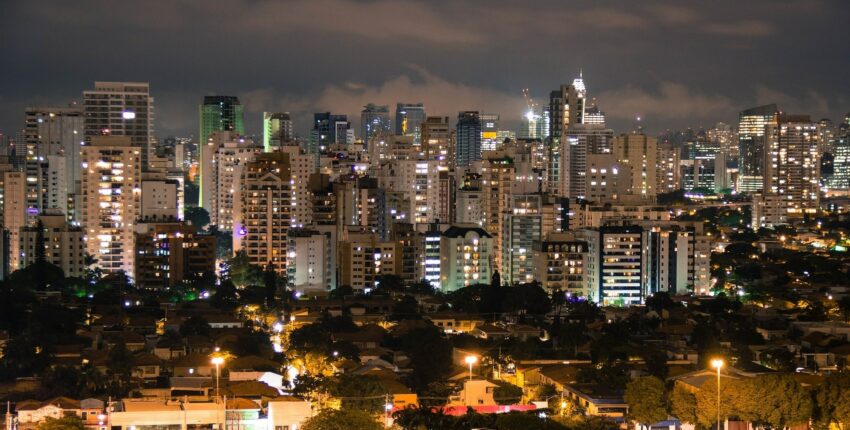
[
  {"x": 374, "y": 121},
  {"x": 121, "y": 109},
  {"x": 53, "y": 136},
  {"x": 490, "y": 138},
  {"x": 581, "y": 140},
  {"x": 14, "y": 213},
  {"x": 751, "y": 144},
  {"x": 725, "y": 138},
  {"x": 468, "y": 138},
  {"x": 676, "y": 258},
  {"x": 614, "y": 264},
  {"x": 530, "y": 124},
  {"x": 261, "y": 224},
  {"x": 566, "y": 109},
  {"x": 438, "y": 141},
  {"x": 308, "y": 262},
  {"x": 521, "y": 228},
  {"x": 64, "y": 245},
  {"x": 408, "y": 120},
  {"x": 839, "y": 182},
  {"x": 639, "y": 152},
  {"x": 792, "y": 164},
  {"x": 277, "y": 128},
  {"x": 329, "y": 129},
  {"x": 560, "y": 264},
  {"x": 229, "y": 161},
  {"x": 111, "y": 200},
  {"x": 466, "y": 257},
  {"x": 171, "y": 252},
  {"x": 217, "y": 113}
]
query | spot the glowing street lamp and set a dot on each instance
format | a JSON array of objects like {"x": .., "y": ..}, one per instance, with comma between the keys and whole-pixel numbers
[
  {"x": 217, "y": 361},
  {"x": 717, "y": 363},
  {"x": 470, "y": 360}
]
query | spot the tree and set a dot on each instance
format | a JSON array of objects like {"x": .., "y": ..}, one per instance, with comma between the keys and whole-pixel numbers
[
  {"x": 683, "y": 404},
  {"x": 119, "y": 369},
  {"x": 364, "y": 393},
  {"x": 844, "y": 306},
  {"x": 270, "y": 281},
  {"x": 198, "y": 216},
  {"x": 522, "y": 421},
  {"x": 430, "y": 356},
  {"x": 345, "y": 419},
  {"x": 242, "y": 272},
  {"x": 407, "y": 308},
  {"x": 68, "y": 422},
  {"x": 833, "y": 400},
  {"x": 507, "y": 393},
  {"x": 647, "y": 400}
]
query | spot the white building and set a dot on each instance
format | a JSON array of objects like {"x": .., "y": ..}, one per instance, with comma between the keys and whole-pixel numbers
[
  {"x": 111, "y": 200},
  {"x": 466, "y": 257},
  {"x": 121, "y": 109},
  {"x": 308, "y": 262},
  {"x": 64, "y": 245}
]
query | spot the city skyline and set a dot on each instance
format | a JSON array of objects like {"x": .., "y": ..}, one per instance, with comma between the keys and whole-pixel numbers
[{"x": 675, "y": 73}]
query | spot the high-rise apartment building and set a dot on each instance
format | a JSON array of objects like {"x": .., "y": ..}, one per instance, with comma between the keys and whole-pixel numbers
[
  {"x": 489, "y": 132},
  {"x": 792, "y": 164},
  {"x": 521, "y": 228},
  {"x": 111, "y": 184},
  {"x": 217, "y": 113},
  {"x": 329, "y": 129},
  {"x": 277, "y": 129},
  {"x": 640, "y": 153},
  {"x": 438, "y": 140},
  {"x": 466, "y": 257},
  {"x": 121, "y": 109},
  {"x": 64, "y": 244},
  {"x": 261, "y": 224},
  {"x": 614, "y": 264},
  {"x": 170, "y": 252},
  {"x": 751, "y": 145},
  {"x": 14, "y": 201},
  {"x": 468, "y": 147},
  {"x": 53, "y": 136}
]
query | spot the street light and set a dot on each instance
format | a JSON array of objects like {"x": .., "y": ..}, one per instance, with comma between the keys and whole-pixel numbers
[
  {"x": 217, "y": 361},
  {"x": 717, "y": 363},
  {"x": 470, "y": 360}
]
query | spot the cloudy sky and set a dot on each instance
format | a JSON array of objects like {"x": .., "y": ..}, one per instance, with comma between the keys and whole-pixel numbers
[{"x": 676, "y": 64}]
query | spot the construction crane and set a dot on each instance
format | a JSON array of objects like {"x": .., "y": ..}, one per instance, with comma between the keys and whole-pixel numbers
[{"x": 528, "y": 101}]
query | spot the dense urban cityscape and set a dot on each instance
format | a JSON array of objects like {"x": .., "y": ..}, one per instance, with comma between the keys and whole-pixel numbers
[{"x": 404, "y": 266}]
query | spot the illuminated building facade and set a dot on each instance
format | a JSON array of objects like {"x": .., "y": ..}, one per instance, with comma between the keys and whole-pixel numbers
[
  {"x": 614, "y": 265},
  {"x": 111, "y": 200},
  {"x": 466, "y": 257},
  {"x": 121, "y": 109},
  {"x": 277, "y": 128},
  {"x": 751, "y": 145},
  {"x": 566, "y": 109},
  {"x": 438, "y": 140},
  {"x": 374, "y": 121},
  {"x": 217, "y": 113},
  {"x": 64, "y": 245},
  {"x": 469, "y": 129},
  {"x": 792, "y": 164},
  {"x": 559, "y": 264},
  {"x": 521, "y": 228},
  {"x": 408, "y": 120},
  {"x": 490, "y": 136},
  {"x": 171, "y": 252}
]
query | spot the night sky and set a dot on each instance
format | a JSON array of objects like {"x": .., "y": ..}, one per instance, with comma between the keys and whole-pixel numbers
[{"x": 676, "y": 64}]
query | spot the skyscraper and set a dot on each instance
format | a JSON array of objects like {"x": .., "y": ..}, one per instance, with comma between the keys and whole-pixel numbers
[
  {"x": 262, "y": 220},
  {"x": 408, "y": 120},
  {"x": 111, "y": 185},
  {"x": 121, "y": 109},
  {"x": 792, "y": 164},
  {"x": 53, "y": 136},
  {"x": 374, "y": 121},
  {"x": 218, "y": 113},
  {"x": 329, "y": 129},
  {"x": 277, "y": 128},
  {"x": 751, "y": 143},
  {"x": 489, "y": 131},
  {"x": 566, "y": 108},
  {"x": 468, "y": 138},
  {"x": 438, "y": 140}
]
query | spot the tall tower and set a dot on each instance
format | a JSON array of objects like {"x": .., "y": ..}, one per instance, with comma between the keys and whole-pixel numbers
[
  {"x": 792, "y": 164},
  {"x": 121, "y": 109},
  {"x": 374, "y": 121},
  {"x": 218, "y": 113},
  {"x": 437, "y": 140},
  {"x": 277, "y": 128},
  {"x": 566, "y": 109},
  {"x": 53, "y": 136},
  {"x": 111, "y": 200},
  {"x": 751, "y": 144},
  {"x": 408, "y": 120},
  {"x": 468, "y": 138}
]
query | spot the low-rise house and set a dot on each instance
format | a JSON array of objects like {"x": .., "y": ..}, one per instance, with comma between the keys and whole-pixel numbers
[
  {"x": 192, "y": 365},
  {"x": 451, "y": 322},
  {"x": 490, "y": 332},
  {"x": 146, "y": 366},
  {"x": 595, "y": 399},
  {"x": 475, "y": 392}
]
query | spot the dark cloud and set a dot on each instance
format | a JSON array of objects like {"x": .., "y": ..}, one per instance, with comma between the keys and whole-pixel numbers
[{"x": 677, "y": 64}]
